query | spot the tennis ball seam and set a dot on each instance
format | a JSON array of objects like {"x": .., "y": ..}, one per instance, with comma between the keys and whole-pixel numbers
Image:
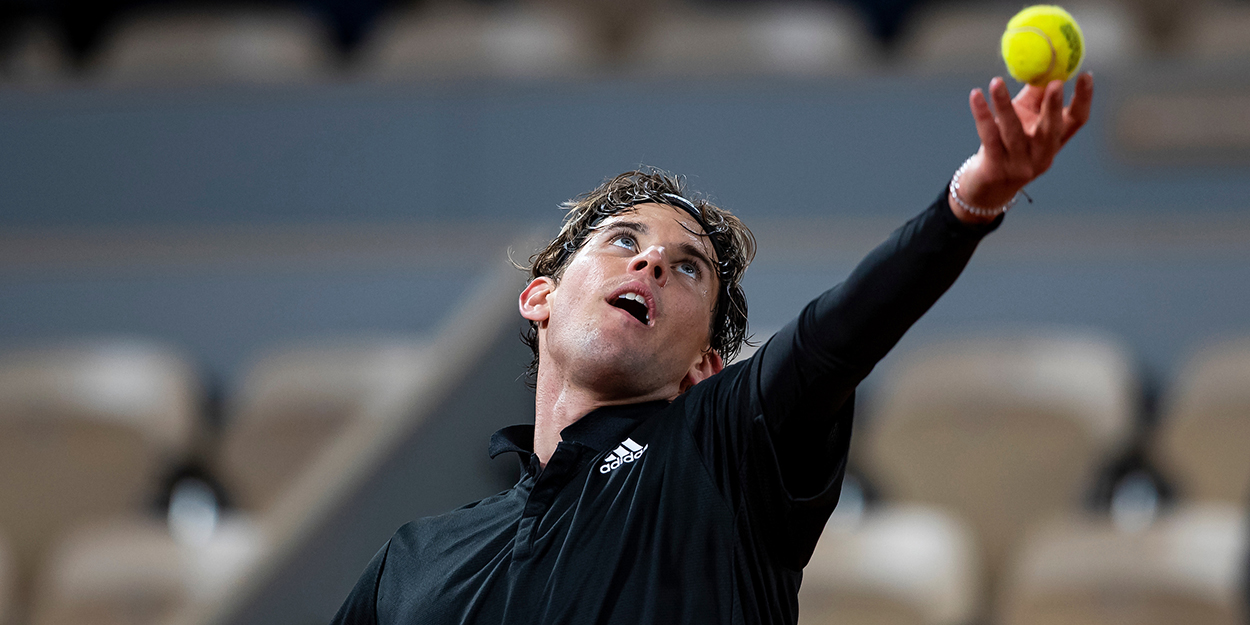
[
  {"x": 1026, "y": 57},
  {"x": 1074, "y": 46},
  {"x": 1054, "y": 54}
]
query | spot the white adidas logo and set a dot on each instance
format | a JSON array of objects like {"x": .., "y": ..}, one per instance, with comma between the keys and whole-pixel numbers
[{"x": 628, "y": 451}]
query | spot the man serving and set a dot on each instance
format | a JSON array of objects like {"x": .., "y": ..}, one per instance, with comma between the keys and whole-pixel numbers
[{"x": 659, "y": 485}]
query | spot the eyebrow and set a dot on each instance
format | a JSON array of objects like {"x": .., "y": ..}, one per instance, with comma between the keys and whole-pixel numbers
[
  {"x": 688, "y": 248},
  {"x": 635, "y": 226},
  {"x": 698, "y": 255}
]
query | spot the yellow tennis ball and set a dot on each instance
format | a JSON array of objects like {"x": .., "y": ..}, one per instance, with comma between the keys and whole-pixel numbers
[{"x": 1043, "y": 43}]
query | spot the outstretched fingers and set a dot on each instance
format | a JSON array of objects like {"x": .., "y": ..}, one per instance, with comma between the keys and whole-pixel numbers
[
  {"x": 1020, "y": 138},
  {"x": 987, "y": 128},
  {"x": 1009, "y": 126},
  {"x": 1050, "y": 127},
  {"x": 1077, "y": 112}
]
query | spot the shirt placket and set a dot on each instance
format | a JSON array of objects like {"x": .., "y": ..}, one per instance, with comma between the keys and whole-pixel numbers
[{"x": 564, "y": 463}]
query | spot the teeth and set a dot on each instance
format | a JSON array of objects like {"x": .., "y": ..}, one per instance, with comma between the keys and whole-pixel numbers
[{"x": 643, "y": 314}]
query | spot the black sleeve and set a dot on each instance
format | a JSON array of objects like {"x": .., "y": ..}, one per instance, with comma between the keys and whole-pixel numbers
[
  {"x": 775, "y": 428},
  {"x": 361, "y": 605},
  {"x": 841, "y": 335}
]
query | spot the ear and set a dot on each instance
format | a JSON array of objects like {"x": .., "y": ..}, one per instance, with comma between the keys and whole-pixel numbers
[
  {"x": 535, "y": 299},
  {"x": 707, "y": 366}
]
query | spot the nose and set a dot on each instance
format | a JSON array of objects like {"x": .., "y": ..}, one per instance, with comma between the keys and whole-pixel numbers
[{"x": 651, "y": 260}]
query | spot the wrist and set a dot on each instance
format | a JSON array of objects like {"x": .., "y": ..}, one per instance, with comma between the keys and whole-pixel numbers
[{"x": 972, "y": 200}]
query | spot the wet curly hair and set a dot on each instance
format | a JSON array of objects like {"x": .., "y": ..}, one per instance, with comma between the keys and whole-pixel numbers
[{"x": 732, "y": 240}]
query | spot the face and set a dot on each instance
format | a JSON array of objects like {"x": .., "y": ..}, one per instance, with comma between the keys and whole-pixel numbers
[{"x": 631, "y": 314}]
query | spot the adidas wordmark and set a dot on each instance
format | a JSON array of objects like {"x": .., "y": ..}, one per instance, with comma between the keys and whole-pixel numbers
[{"x": 628, "y": 451}]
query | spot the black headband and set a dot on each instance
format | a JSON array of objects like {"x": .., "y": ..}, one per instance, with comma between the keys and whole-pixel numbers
[{"x": 676, "y": 201}]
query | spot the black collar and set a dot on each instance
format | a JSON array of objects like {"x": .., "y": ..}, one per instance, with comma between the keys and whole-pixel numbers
[
  {"x": 518, "y": 438},
  {"x": 601, "y": 428}
]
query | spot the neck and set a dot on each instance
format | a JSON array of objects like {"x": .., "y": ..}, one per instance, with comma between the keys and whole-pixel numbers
[{"x": 558, "y": 403}]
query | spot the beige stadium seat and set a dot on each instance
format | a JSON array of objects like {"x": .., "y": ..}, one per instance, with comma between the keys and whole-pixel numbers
[
  {"x": 254, "y": 45},
  {"x": 956, "y": 37},
  {"x": 945, "y": 38},
  {"x": 1203, "y": 437},
  {"x": 132, "y": 572},
  {"x": 1115, "y": 33},
  {"x": 295, "y": 401},
  {"x": 785, "y": 38},
  {"x": 1187, "y": 568},
  {"x": 897, "y": 565},
  {"x": 472, "y": 41},
  {"x": 1000, "y": 431},
  {"x": 118, "y": 573},
  {"x": 85, "y": 432},
  {"x": 1215, "y": 32}
]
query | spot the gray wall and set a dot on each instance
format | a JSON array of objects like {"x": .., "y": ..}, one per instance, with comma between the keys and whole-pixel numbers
[
  {"x": 255, "y": 165},
  {"x": 367, "y": 153}
]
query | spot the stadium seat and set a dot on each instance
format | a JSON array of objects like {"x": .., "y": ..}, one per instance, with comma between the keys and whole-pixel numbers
[
  {"x": 955, "y": 37},
  {"x": 462, "y": 40},
  {"x": 1215, "y": 32},
  {"x": 296, "y": 400},
  {"x": 1203, "y": 437},
  {"x": 125, "y": 572},
  {"x": 897, "y": 565},
  {"x": 1115, "y": 34},
  {"x": 966, "y": 37},
  {"x": 1186, "y": 568},
  {"x": 1000, "y": 431},
  {"x": 787, "y": 38},
  {"x": 85, "y": 433},
  {"x": 132, "y": 572},
  {"x": 253, "y": 45}
]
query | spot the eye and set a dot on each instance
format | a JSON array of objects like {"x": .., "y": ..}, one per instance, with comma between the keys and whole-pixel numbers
[
  {"x": 626, "y": 241},
  {"x": 689, "y": 268}
]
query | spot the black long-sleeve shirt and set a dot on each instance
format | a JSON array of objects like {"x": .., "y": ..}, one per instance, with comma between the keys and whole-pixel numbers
[{"x": 702, "y": 510}]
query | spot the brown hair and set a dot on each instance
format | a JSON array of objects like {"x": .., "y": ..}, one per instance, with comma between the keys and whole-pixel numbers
[{"x": 732, "y": 240}]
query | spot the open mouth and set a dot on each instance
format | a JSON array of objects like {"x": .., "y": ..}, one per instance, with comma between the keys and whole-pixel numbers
[{"x": 635, "y": 305}]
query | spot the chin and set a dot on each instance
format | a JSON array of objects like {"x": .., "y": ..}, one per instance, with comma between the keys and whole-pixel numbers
[{"x": 618, "y": 369}]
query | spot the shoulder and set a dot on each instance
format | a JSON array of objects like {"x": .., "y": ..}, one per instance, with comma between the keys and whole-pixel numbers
[
  {"x": 725, "y": 380},
  {"x": 429, "y": 536},
  {"x": 721, "y": 393}
]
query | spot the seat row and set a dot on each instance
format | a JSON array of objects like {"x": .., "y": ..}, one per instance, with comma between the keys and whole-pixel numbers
[
  {"x": 913, "y": 564},
  {"x": 546, "y": 39},
  {"x": 981, "y": 450},
  {"x": 98, "y": 440},
  {"x": 984, "y": 452}
]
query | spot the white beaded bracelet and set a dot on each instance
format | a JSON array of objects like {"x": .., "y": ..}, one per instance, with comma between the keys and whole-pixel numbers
[{"x": 979, "y": 212}]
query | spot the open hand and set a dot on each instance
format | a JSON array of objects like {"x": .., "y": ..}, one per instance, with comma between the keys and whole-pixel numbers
[{"x": 1019, "y": 139}]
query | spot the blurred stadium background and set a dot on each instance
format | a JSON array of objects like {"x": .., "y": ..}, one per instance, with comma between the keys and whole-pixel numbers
[{"x": 256, "y": 309}]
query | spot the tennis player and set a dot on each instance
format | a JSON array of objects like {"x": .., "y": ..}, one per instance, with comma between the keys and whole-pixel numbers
[{"x": 658, "y": 484}]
